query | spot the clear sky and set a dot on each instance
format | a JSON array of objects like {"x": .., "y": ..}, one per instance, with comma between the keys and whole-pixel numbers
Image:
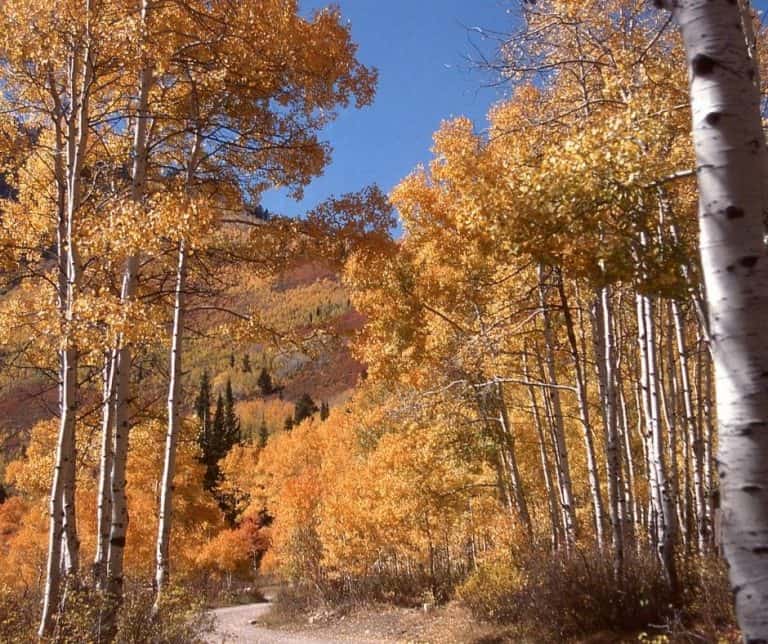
[{"x": 420, "y": 48}]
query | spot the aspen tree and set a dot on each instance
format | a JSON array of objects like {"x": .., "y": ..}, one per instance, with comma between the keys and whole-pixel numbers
[{"x": 731, "y": 161}]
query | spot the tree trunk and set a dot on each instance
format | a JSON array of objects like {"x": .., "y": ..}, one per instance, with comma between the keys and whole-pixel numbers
[
  {"x": 662, "y": 502},
  {"x": 124, "y": 358},
  {"x": 732, "y": 161},
  {"x": 62, "y": 508},
  {"x": 554, "y": 517},
  {"x": 694, "y": 437},
  {"x": 605, "y": 356},
  {"x": 104, "y": 509},
  {"x": 162, "y": 561},
  {"x": 588, "y": 434},
  {"x": 508, "y": 438},
  {"x": 558, "y": 428}
]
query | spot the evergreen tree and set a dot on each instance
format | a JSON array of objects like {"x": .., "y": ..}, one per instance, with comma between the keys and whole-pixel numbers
[
  {"x": 263, "y": 433},
  {"x": 231, "y": 360},
  {"x": 203, "y": 410},
  {"x": 265, "y": 382},
  {"x": 221, "y": 433},
  {"x": 214, "y": 449},
  {"x": 231, "y": 429},
  {"x": 325, "y": 411},
  {"x": 289, "y": 423},
  {"x": 305, "y": 407},
  {"x": 203, "y": 400},
  {"x": 246, "y": 363}
]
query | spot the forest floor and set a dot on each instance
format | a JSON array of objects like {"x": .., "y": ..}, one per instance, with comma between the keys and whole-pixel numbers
[{"x": 255, "y": 623}]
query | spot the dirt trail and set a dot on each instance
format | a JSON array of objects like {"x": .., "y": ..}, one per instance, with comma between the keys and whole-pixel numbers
[{"x": 234, "y": 626}]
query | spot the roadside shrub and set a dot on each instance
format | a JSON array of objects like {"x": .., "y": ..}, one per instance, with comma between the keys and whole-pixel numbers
[
  {"x": 555, "y": 597},
  {"x": 490, "y": 591},
  {"x": 182, "y": 618}
]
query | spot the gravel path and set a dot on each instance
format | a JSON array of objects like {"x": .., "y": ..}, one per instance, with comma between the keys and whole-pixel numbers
[{"x": 233, "y": 626}]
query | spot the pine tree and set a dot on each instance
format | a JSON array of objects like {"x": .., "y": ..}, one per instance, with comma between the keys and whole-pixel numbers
[
  {"x": 246, "y": 363},
  {"x": 263, "y": 433},
  {"x": 214, "y": 450},
  {"x": 203, "y": 409},
  {"x": 288, "y": 423},
  {"x": 325, "y": 411},
  {"x": 231, "y": 360},
  {"x": 265, "y": 382},
  {"x": 305, "y": 407},
  {"x": 231, "y": 430}
]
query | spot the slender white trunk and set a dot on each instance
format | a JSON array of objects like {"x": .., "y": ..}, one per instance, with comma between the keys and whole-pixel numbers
[
  {"x": 586, "y": 425},
  {"x": 124, "y": 359},
  {"x": 162, "y": 560},
  {"x": 694, "y": 437},
  {"x": 508, "y": 438},
  {"x": 605, "y": 355},
  {"x": 554, "y": 517},
  {"x": 662, "y": 502},
  {"x": 558, "y": 429},
  {"x": 104, "y": 510},
  {"x": 62, "y": 507},
  {"x": 732, "y": 159}
]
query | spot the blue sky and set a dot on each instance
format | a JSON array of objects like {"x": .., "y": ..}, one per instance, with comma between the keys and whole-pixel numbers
[{"x": 420, "y": 48}]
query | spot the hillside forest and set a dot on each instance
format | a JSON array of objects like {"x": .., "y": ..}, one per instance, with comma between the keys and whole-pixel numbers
[{"x": 530, "y": 380}]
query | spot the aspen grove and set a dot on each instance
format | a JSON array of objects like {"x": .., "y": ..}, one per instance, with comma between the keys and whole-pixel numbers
[{"x": 529, "y": 382}]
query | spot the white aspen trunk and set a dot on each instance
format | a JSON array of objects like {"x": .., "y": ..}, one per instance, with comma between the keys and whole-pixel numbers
[
  {"x": 56, "y": 501},
  {"x": 587, "y": 432},
  {"x": 605, "y": 355},
  {"x": 632, "y": 516},
  {"x": 64, "y": 455},
  {"x": 558, "y": 428},
  {"x": 662, "y": 501},
  {"x": 62, "y": 506},
  {"x": 165, "y": 516},
  {"x": 694, "y": 437},
  {"x": 162, "y": 559},
  {"x": 628, "y": 462},
  {"x": 640, "y": 414},
  {"x": 104, "y": 509},
  {"x": 732, "y": 159},
  {"x": 503, "y": 479},
  {"x": 514, "y": 471},
  {"x": 554, "y": 517},
  {"x": 706, "y": 431},
  {"x": 124, "y": 359},
  {"x": 669, "y": 390}
]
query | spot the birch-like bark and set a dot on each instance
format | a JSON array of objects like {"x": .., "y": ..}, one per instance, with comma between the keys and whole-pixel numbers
[
  {"x": 514, "y": 471},
  {"x": 731, "y": 166},
  {"x": 662, "y": 501},
  {"x": 605, "y": 355},
  {"x": 586, "y": 425},
  {"x": 162, "y": 549},
  {"x": 62, "y": 508},
  {"x": 554, "y": 516},
  {"x": 558, "y": 428},
  {"x": 162, "y": 559},
  {"x": 694, "y": 437},
  {"x": 632, "y": 515},
  {"x": 124, "y": 359},
  {"x": 104, "y": 509}
]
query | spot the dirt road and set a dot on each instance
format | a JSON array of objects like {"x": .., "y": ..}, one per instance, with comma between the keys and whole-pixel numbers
[{"x": 234, "y": 626}]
